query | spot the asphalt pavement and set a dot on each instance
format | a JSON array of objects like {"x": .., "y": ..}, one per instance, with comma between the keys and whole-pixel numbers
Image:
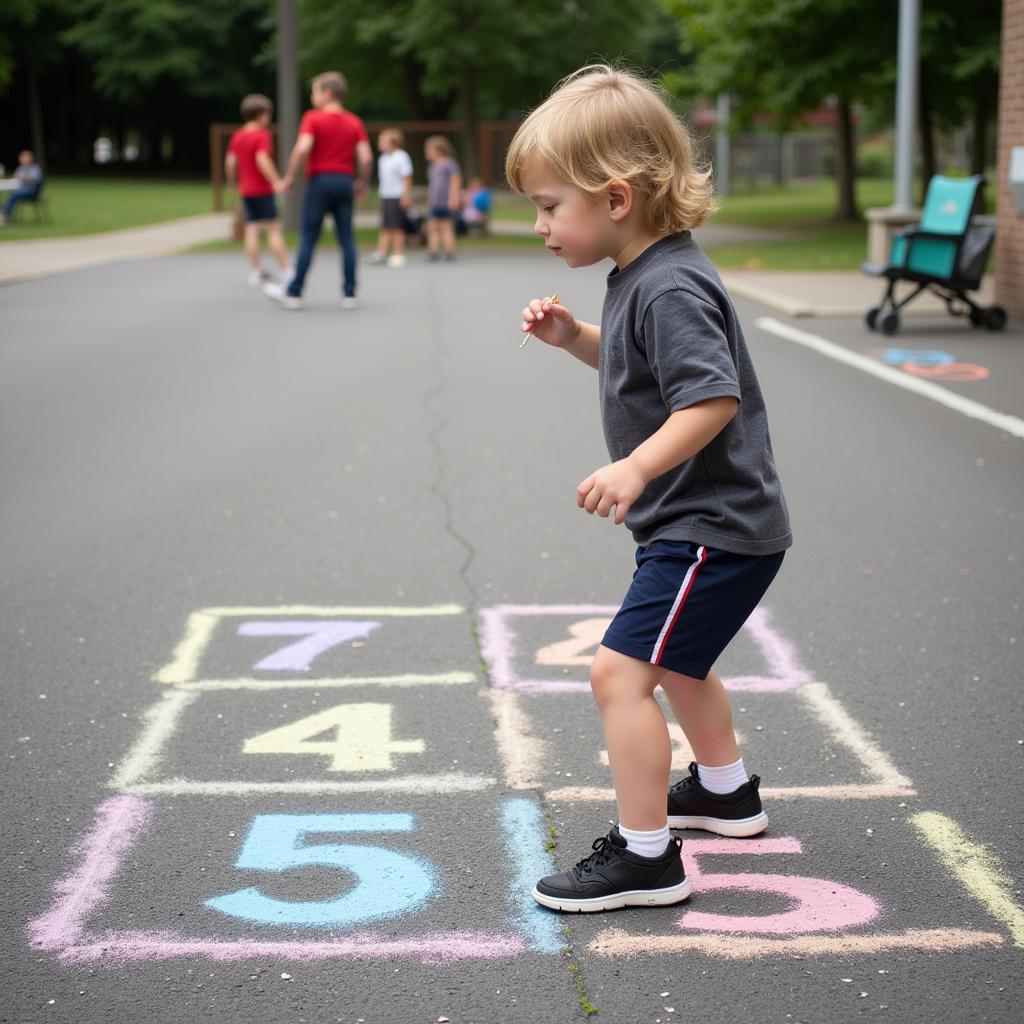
[{"x": 297, "y": 610}]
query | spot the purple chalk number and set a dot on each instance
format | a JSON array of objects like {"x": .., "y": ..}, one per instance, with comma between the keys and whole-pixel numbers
[{"x": 317, "y": 637}]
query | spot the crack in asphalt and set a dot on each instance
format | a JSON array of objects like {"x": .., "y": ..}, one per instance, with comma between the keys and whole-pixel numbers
[{"x": 435, "y": 417}]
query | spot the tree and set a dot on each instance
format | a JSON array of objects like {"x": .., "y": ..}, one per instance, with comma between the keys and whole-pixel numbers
[
  {"x": 483, "y": 57},
  {"x": 788, "y": 57}
]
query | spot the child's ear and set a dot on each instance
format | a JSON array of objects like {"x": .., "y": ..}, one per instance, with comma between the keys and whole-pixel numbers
[{"x": 620, "y": 199}]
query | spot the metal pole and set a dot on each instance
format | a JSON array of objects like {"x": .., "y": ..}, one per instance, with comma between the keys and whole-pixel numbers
[
  {"x": 906, "y": 105},
  {"x": 722, "y": 146},
  {"x": 288, "y": 102}
]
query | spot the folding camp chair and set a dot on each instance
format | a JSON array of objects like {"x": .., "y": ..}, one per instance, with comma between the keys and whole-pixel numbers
[{"x": 945, "y": 254}]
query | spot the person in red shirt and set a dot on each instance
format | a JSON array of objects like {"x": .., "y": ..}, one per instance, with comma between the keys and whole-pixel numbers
[
  {"x": 335, "y": 148},
  {"x": 249, "y": 163}
]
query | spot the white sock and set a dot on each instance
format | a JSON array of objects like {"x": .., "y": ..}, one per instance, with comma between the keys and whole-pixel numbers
[
  {"x": 724, "y": 779},
  {"x": 646, "y": 844}
]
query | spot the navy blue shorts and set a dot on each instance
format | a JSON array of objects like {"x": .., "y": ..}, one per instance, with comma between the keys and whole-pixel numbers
[
  {"x": 686, "y": 603},
  {"x": 441, "y": 213},
  {"x": 259, "y": 208}
]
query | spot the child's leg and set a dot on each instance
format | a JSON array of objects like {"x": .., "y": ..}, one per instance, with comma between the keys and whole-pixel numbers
[
  {"x": 398, "y": 241},
  {"x": 383, "y": 237},
  {"x": 448, "y": 235},
  {"x": 702, "y": 708},
  {"x": 275, "y": 240},
  {"x": 639, "y": 750},
  {"x": 252, "y": 244},
  {"x": 433, "y": 234}
]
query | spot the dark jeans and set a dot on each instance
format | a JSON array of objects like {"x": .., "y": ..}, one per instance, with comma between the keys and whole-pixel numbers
[
  {"x": 16, "y": 195},
  {"x": 326, "y": 193}
]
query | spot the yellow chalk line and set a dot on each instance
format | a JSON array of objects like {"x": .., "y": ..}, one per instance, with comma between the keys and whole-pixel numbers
[
  {"x": 616, "y": 942},
  {"x": 975, "y": 867}
]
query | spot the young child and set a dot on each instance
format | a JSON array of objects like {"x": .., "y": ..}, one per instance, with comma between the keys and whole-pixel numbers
[
  {"x": 250, "y": 164},
  {"x": 611, "y": 173},
  {"x": 444, "y": 191},
  {"x": 394, "y": 175}
]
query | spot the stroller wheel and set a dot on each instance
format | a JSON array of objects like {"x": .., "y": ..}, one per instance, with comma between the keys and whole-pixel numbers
[
  {"x": 995, "y": 318},
  {"x": 871, "y": 317},
  {"x": 891, "y": 323},
  {"x": 977, "y": 317}
]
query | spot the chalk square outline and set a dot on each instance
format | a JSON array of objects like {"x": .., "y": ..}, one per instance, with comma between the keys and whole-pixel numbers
[
  {"x": 202, "y": 623},
  {"x": 101, "y": 852},
  {"x": 136, "y": 773},
  {"x": 498, "y": 646}
]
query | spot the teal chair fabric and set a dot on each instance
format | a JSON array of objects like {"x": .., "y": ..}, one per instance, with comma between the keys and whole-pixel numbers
[{"x": 947, "y": 211}]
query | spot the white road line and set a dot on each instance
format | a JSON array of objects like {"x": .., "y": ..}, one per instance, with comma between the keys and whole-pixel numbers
[
  {"x": 846, "y": 730},
  {"x": 452, "y": 782},
  {"x": 161, "y": 721},
  {"x": 926, "y": 389},
  {"x": 410, "y": 679}
]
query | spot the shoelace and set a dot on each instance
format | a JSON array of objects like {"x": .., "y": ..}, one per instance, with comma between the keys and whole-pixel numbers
[
  {"x": 602, "y": 851},
  {"x": 684, "y": 784}
]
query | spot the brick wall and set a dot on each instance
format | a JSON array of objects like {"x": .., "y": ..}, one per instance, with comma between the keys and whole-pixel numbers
[{"x": 1010, "y": 223}]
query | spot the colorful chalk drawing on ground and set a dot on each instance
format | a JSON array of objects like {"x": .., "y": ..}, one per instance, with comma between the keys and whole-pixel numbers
[
  {"x": 932, "y": 364},
  {"x": 312, "y": 704}
]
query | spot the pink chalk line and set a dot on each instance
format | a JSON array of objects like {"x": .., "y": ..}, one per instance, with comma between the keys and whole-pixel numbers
[
  {"x": 498, "y": 645},
  {"x": 118, "y": 823},
  {"x": 127, "y": 947}
]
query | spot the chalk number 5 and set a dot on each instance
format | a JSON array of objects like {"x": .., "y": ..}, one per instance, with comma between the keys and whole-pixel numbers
[{"x": 387, "y": 882}]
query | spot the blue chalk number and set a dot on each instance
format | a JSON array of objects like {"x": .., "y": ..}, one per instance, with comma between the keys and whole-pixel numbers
[{"x": 387, "y": 883}]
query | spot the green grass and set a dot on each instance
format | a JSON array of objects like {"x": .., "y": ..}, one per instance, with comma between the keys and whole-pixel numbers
[{"x": 84, "y": 206}]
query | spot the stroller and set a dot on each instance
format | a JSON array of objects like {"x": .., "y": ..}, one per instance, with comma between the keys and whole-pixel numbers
[{"x": 945, "y": 253}]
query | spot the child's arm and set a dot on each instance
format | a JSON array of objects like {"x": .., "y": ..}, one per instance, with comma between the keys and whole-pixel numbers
[
  {"x": 555, "y": 325},
  {"x": 230, "y": 166},
  {"x": 406, "y": 200},
  {"x": 364, "y": 165},
  {"x": 302, "y": 148},
  {"x": 680, "y": 437},
  {"x": 265, "y": 163},
  {"x": 455, "y": 193}
]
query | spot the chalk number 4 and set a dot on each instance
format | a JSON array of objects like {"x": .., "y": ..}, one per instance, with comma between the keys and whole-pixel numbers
[{"x": 358, "y": 738}]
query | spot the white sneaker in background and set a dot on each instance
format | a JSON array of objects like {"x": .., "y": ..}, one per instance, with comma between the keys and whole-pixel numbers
[
  {"x": 255, "y": 279},
  {"x": 278, "y": 294},
  {"x": 377, "y": 257},
  {"x": 349, "y": 302},
  {"x": 395, "y": 261}
]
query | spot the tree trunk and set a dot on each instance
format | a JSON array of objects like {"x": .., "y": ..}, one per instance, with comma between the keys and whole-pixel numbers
[
  {"x": 846, "y": 199},
  {"x": 470, "y": 123},
  {"x": 35, "y": 114},
  {"x": 979, "y": 124},
  {"x": 925, "y": 116}
]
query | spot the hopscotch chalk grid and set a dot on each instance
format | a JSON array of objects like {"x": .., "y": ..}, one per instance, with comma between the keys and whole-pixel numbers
[
  {"x": 362, "y": 749},
  {"x": 534, "y": 654}
]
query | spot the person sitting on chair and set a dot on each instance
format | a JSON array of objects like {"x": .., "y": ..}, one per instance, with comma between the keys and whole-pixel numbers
[{"x": 30, "y": 178}]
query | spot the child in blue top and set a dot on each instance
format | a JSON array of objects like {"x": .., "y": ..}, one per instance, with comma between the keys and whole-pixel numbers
[{"x": 610, "y": 171}]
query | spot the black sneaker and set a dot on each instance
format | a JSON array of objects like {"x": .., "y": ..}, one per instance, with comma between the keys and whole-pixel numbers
[
  {"x": 612, "y": 877},
  {"x": 737, "y": 813}
]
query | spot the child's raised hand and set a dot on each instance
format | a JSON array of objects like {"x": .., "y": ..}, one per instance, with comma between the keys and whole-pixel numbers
[{"x": 549, "y": 321}]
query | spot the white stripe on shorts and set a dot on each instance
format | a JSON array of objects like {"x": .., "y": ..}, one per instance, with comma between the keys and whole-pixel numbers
[{"x": 670, "y": 621}]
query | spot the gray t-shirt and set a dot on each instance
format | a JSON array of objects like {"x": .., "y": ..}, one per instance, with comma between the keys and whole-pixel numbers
[
  {"x": 670, "y": 338},
  {"x": 439, "y": 182}
]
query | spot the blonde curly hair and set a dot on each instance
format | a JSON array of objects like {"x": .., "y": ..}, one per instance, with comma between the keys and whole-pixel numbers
[{"x": 601, "y": 123}]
